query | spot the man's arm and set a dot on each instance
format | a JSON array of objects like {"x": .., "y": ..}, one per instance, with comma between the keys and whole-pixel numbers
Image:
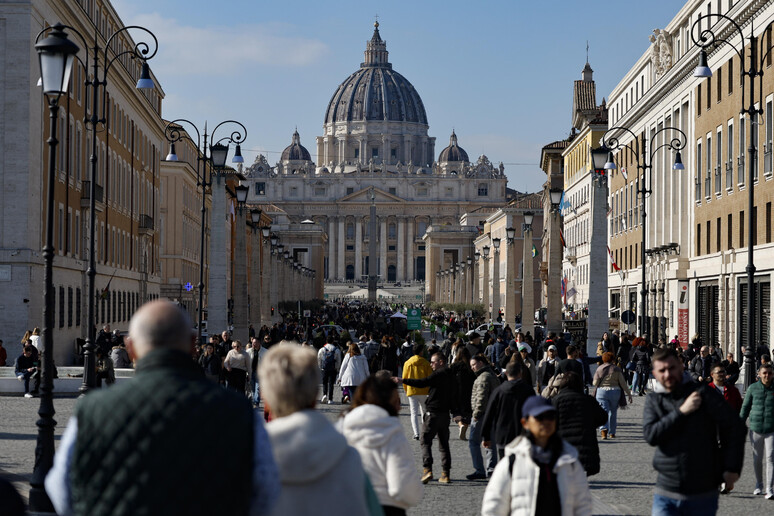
[
  {"x": 747, "y": 403},
  {"x": 430, "y": 381},
  {"x": 655, "y": 428},
  {"x": 266, "y": 484},
  {"x": 57, "y": 481},
  {"x": 731, "y": 430}
]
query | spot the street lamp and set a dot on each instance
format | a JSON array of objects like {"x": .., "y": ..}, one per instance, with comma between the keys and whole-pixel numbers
[
  {"x": 99, "y": 57},
  {"x": 216, "y": 159},
  {"x": 611, "y": 142},
  {"x": 707, "y": 39},
  {"x": 556, "y": 198},
  {"x": 56, "y": 54}
]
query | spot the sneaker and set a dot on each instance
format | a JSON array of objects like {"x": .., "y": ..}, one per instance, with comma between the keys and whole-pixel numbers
[
  {"x": 28, "y": 395},
  {"x": 611, "y": 436},
  {"x": 758, "y": 491},
  {"x": 475, "y": 476},
  {"x": 770, "y": 496},
  {"x": 444, "y": 478},
  {"x": 20, "y": 378},
  {"x": 324, "y": 399},
  {"x": 427, "y": 475},
  {"x": 416, "y": 437},
  {"x": 345, "y": 399},
  {"x": 330, "y": 402},
  {"x": 463, "y": 433}
]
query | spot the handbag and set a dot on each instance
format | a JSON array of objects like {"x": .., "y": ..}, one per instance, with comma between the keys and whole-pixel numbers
[
  {"x": 622, "y": 400},
  {"x": 631, "y": 366}
]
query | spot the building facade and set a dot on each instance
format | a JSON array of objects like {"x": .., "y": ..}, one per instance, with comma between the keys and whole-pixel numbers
[
  {"x": 127, "y": 181},
  {"x": 376, "y": 135}
]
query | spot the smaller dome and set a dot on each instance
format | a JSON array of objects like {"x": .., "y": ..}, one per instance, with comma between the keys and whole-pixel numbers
[
  {"x": 453, "y": 152},
  {"x": 295, "y": 151}
]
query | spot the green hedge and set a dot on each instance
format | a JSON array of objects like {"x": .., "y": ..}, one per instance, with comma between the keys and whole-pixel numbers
[{"x": 458, "y": 308}]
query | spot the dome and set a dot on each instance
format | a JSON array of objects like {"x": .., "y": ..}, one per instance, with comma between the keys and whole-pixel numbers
[
  {"x": 376, "y": 91},
  {"x": 453, "y": 152},
  {"x": 295, "y": 151}
]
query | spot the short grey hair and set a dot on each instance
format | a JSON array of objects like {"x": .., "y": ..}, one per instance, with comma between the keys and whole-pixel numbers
[
  {"x": 290, "y": 378},
  {"x": 161, "y": 324}
]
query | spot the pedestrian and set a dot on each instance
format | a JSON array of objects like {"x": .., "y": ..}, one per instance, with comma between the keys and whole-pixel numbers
[
  {"x": 463, "y": 381},
  {"x": 441, "y": 400},
  {"x": 547, "y": 367},
  {"x": 579, "y": 417},
  {"x": 640, "y": 357},
  {"x": 353, "y": 372},
  {"x": 372, "y": 427},
  {"x": 237, "y": 365},
  {"x": 26, "y": 369},
  {"x": 502, "y": 420},
  {"x": 758, "y": 406},
  {"x": 611, "y": 387},
  {"x": 699, "y": 440},
  {"x": 319, "y": 472},
  {"x": 329, "y": 361},
  {"x": 259, "y": 352},
  {"x": 474, "y": 345},
  {"x": 105, "y": 369},
  {"x": 210, "y": 363},
  {"x": 725, "y": 388},
  {"x": 485, "y": 384},
  {"x": 119, "y": 356},
  {"x": 732, "y": 369},
  {"x": 529, "y": 365},
  {"x": 387, "y": 356},
  {"x": 416, "y": 367},
  {"x": 701, "y": 365},
  {"x": 3, "y": 355},
  {"x": 541, "y": 473},
  {"x": 130, "y": 449}
]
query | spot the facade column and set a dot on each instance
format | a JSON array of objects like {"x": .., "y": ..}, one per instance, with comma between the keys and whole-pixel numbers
[
  {"x": 410, "y": 249},
  {"x": 240, "y": 278},
  {"x": 485, "y": 286},
  {"x": 255, "y": 279},
  {"x": 265, "y": 280},
  {"x": 341, "y": 240},
  {"x": 383, "y": 248},
  {"x": 273, "y": 285},
  {"x": 496, "y": 285},
  {"x": 554, "y": 294},
  {"x": 463, "y": 282},
  {"x": 331, "y": 248},
  {"x": 510, "y": 283},
  {"x": 217, "y": 295},
  {"x": 400, "y": 272},
  {"x": 528, "y": 287},
  {"x": 358, "y": 248},
  {"x": 475, "y": 288}
]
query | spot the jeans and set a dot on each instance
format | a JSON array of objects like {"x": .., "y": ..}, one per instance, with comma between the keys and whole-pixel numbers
[
  {"x": 416, "y": 402},
  {"x": 663, "y": 506},
  {"x": 474, "y": 443},
  {"x": 329, "y": 380},
  {"x": 436, "y": 424},
  {"x": 608, "y": 399},
  {"x": 640, "y": 381},
  {"x": 35, "y": 376},
  {"x": 763, "y": 450},
  {"x": 256, "y": 388}
]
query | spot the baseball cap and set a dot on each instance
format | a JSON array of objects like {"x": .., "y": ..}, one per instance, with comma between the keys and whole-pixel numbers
[
  {"x": 552, "y": 347},
  {"x": 525, "y": 347},
  {"x": 535, "y": 406}
]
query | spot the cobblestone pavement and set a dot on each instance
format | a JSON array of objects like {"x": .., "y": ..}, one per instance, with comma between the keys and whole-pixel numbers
[{"x": 624, "y": 486}]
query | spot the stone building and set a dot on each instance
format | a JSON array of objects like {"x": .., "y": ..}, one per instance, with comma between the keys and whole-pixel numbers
[{"x": 375, "y": 134}]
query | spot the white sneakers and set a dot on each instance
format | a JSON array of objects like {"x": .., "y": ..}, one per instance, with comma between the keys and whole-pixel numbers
[
  {"x": 28, "y": 395},
  {"x": 330, "y": 402},
  {"x": 20, "y": 378},
  {"x": 758, "y": 491},
  {"x": 324, "y": 399}
]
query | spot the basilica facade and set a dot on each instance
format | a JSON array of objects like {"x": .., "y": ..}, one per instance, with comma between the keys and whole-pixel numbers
[{"x": 375, "y": 148}]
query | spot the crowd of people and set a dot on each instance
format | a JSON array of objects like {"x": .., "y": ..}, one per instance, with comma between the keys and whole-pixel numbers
[{"x": 532, "y": 410}]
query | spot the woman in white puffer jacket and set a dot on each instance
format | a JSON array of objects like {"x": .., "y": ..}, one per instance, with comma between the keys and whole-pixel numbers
[
  {"x": 353, "y": 372},
  {"x": 372, "y": 427}
]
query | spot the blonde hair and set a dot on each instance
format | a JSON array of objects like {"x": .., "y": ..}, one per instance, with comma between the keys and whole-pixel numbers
[{"x": 290, "y": 378}]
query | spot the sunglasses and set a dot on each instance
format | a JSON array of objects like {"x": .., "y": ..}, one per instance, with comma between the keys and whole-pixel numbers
[{"x": 546, "y": 416}]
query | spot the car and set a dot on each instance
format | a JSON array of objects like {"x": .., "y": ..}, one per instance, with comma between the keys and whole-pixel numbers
[
  {"x": 326, "y": 329},
  {"x": 484, "y": 327}
]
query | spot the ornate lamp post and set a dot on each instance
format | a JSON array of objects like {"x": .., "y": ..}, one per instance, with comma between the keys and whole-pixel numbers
[
  {"x": 645, "y": 165},
  {"x": 748, "y": 72},
  {"x": 56, "y": 54},
  {"x": 471, "y": 279},
  {"x": 527, "y": 278},
  {"x": 218, "y": 152},
  {"x": 554, "y": 297}
]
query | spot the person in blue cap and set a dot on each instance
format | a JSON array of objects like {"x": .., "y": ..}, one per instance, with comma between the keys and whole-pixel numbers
[{"x": 540, "y": 473}]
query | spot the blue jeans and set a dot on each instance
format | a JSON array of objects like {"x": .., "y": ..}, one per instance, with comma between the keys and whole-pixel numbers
[
  {"x": 639, "y": 382},
  {"x": 26, "y": 376},
  {"x": 608, "y": 400},
  {"x": 256, "y": 388},
  {"x": 474, "y": 443},
  {"x": 663, "y": 506}
]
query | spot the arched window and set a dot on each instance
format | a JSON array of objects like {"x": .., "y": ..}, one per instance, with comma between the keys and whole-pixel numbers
[
  {"x": 421, "y": 228},
  {"x": 350, "y": 272},
  {"x": 391, "y": 231},
  {"x": 350, "y": 231},
  {"x": 391, "y": 275}
]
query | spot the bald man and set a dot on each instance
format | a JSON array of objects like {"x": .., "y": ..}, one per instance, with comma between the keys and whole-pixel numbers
[{"x": 136, "y": 448}]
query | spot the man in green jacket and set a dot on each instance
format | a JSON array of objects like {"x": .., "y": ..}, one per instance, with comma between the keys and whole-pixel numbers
[
  {"x": 485, "y": 384},
  {"x": 758, "y": 405}
]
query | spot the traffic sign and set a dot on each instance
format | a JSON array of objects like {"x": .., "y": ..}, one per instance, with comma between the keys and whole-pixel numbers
[
  {"x": 414, "y": 319},
  {"x": 188, "y": 286},
  {"x": 307, "y": 313},
  {"x": 468, "y": 313},
  {"x": 628, "y": 317}
]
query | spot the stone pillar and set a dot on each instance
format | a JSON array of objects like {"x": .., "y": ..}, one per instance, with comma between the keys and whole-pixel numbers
[
  {"x": 400, "y": 272},
  {"x": 273, "y": 286},
  {"x": 240, "y": 278},
  {"x": 341, "y": 239},
  {"x": 217, "y": 296},
  {"x": 485, "y": 286},
  {"x": 528, "y": 287},
  {"x": 358, "y": 248},
  {"x": 463, "y": 283},
  {"x": 598, "y": 320},
  {"x": 554, "y": 301},
  {"x": 475, "y": 290},
  {"x": 266, "y": 275},
  {"x": 331, "y": 248},
  {"x": 410, "y": 249},
  {"x": 383, "y": 248},
  {"x": 510, "y": 283},
  {"x": 255, "y": 280},
  {"x": 496, "y": 285}
]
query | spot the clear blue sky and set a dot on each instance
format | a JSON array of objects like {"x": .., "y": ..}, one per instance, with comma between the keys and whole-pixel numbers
[{"x": 499, "y": 73}]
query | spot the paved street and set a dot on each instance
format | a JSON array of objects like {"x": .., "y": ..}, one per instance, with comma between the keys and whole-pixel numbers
[{"x": 624, "y": 486}]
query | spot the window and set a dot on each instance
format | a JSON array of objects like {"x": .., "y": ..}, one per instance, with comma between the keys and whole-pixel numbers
[
  {"x": 350, "y": 231},
  {"x": 350, "y": 190},
  {"x": 768, "y": 222},
  {"x": 374, "y": 152},
  {"x": 350, "y": 247},
  {"x": 717, "y": 235},
  {"x": 740, "y": 158},
  {"x": 698, "y": 239},
  {"x": 77, "y": 234},
  {"x": 741, "y": 229},
  {"x": 61, "y": 307},
  {"x": 708, "y": 177},
  {"x": 394, "y": 152},
  {"x": 357, "y": 153},
  {"x": 319, "y": 191},
  {"x": 709, "y": 93},
  {"x": 449, "y": 191},
  {"x": 391, "y": 230},
  {"x": 421, "y": 248},
  {"x": 422, "y": 191},
  {"x": 720, "y": 82},
  {"x": 756, "y": 142},
  {"x": 77, "y": 307},
  {"x": 730, "y": 230},
  {"x": 698, "y": 100},
  {"x": 390, "y": 247},
  {"x": 730, "y": 157},
  {"x": 731, "y": 76},
  {"x": 767, "y": 145},
  {"x": 293, "y": 191},
  {"x": 483, "y": 190},
  {"x": 698, "y": 172},
  {"x": 392, "y": 190},
  {"x": 709, "y": 233},
  {"x": 719, "y": 161},
  {"x": 260, "y": 188},
  {"x": 69, "y": 307}
]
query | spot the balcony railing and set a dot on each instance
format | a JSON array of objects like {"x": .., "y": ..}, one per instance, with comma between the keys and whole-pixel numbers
[
  {"x": 86, "y": 194},
  {"x": 146, "y": 224}
]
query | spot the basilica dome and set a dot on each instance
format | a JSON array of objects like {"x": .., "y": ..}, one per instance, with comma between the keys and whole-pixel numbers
[
  {"x": 453, "y": 152},
  {"x": 295, "y": 151},
  {"x": 376, "y": 91}
]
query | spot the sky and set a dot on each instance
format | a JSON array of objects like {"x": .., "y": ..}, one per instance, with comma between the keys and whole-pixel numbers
[{"x": 500, "y": 73}]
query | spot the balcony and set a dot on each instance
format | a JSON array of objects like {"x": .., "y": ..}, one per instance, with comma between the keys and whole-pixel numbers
[
  {"x": 86, "y": 193},
  {"x": 146, "y": 225}
]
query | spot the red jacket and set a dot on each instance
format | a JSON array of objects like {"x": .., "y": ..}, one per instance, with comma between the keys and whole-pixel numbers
[{"x": 732, "y": 396}]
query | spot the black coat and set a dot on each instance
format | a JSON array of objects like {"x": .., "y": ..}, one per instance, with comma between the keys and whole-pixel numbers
[
  {"x": 579, "y": 416},
  {"x": 502, "y": 419},
  {"x": 688, "y": 458},
  {"x": 464, "y": 377},
  {"x": 442, "y": 397}
]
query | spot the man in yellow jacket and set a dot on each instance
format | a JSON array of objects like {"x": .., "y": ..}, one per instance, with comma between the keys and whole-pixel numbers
[{"x": 415, "y": 368}]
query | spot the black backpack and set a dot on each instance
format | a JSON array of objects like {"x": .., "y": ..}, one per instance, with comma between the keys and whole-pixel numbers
[{"x": 329, "y": 360}]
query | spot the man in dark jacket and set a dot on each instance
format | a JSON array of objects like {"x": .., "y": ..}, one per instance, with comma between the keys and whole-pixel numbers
[
  {"x": 26, "y": 369},
  {"x": 502, "y": 419},
  {"x": 474, "y": 345},
  {"x": 701, "y": 365},
  {"x": 699, "y": 440},
  {"x": 441, "y": 400}
]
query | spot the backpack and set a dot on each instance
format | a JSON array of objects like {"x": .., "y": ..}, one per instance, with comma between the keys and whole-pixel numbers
[{"x": 329, "y": 360}]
